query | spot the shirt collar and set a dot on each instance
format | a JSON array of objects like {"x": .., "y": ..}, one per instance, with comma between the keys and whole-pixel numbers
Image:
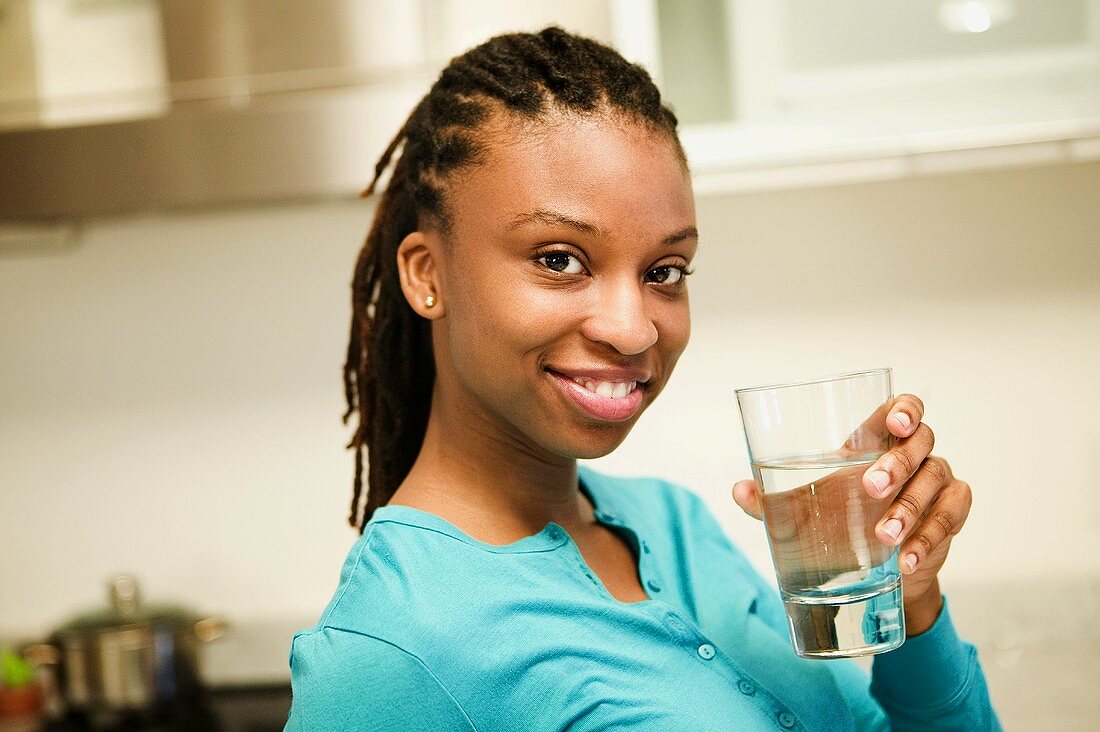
[{"x": 550, "y": 537}]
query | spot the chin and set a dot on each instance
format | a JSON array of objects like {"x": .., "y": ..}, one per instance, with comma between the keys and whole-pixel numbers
[{"x": 591, "y": 441}]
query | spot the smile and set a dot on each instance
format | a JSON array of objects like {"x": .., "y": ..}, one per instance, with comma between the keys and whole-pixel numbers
[
  {"x": 613, "y": 401},
  {"x": 608, "y": 389}
]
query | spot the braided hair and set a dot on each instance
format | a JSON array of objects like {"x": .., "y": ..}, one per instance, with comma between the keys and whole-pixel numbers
[{"x": 390, "y": 369}]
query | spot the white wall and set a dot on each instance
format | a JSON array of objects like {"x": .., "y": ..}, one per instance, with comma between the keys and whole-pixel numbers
[{"x": 170, "y": 389}]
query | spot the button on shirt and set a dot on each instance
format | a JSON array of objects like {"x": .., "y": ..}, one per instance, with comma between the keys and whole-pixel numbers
[{"x": 431, "y": 629}]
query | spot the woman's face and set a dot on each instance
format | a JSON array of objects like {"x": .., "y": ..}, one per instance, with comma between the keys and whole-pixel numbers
[{"x": 567, "y": 259}]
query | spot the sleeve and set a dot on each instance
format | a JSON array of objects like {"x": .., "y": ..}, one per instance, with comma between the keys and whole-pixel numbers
[
  {"x": 933, "y": 681},
  {"x": 342, "y": 680}
]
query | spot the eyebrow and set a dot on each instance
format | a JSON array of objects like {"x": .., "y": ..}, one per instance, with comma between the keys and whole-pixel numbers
[{"x": 546, "y": 216}]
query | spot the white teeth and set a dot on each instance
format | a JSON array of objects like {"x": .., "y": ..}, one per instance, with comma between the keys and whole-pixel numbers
[{"x": 608, "y": 389}]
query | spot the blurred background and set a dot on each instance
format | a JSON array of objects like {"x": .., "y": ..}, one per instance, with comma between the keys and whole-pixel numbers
[{"x": 914, "y": 185}]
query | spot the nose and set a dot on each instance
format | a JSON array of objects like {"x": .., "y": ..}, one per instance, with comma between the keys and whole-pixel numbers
[{"x": 619, "y": 317}]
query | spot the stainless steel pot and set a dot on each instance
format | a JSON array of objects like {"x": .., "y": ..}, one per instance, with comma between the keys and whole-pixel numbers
[{"x": 128, "y": 659}]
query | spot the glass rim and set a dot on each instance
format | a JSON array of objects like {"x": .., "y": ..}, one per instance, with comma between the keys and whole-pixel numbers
[{"x": 818, "y": 380}]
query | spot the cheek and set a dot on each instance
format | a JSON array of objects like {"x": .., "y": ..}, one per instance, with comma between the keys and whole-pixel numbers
[
  {"x": 497, "y": 332},
  {"x": 674, "y": 327}
]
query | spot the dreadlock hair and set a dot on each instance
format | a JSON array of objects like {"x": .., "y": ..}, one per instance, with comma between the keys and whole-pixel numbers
[{"x": 390, "y": 369}]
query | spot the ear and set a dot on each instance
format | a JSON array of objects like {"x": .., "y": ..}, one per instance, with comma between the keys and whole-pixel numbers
[{"x": 416, "y": 267}]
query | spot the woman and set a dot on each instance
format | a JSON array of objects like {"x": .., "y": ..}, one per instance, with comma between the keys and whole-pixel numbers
[{"x": 520, "y": 300}]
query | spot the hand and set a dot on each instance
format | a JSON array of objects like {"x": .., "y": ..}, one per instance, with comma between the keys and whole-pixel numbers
[{"x": 929, "y": 508}]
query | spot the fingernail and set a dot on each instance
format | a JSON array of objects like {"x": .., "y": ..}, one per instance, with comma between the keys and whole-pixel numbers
[
  {"x": 879, "y": 479},
  {"x": 910, "y": 561},
  {"x": 902, "y": 419},
  {"x": 892, "y": 528}
]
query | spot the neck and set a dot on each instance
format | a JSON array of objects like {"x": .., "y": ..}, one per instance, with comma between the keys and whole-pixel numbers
[{"x": 488, "y": 482}]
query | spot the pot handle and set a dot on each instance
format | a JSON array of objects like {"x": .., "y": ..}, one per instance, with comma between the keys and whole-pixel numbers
[
  {"x": 41, "y": 654},
  {"x": 212, "y": 628},
  {"x": 47, "y": 658}
]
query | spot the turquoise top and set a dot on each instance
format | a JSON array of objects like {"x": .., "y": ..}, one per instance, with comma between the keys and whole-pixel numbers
[{"x": 431, "y": 629}]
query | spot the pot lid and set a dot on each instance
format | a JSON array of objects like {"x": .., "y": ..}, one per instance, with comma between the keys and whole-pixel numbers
[{"x": 125, "y": 609}]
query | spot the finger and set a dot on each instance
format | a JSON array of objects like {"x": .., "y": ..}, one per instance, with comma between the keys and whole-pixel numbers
[
  {"x": 897, "y": 416},
  {"x": 905, "y": 414},
  {"x": 894, "y": 468},
  {"x": 871, "y": 436},
  {"x": 944, "y": 519},
  {"x": 913, "y": 501},
  {"x": 747, "y": 496}
]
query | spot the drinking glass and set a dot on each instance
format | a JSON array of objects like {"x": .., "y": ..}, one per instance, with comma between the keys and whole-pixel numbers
[{"x": 810, "y": 443}]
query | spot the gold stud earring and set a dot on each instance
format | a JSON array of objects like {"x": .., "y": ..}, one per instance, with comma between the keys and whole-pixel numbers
[{"x": 429, "y": 301}]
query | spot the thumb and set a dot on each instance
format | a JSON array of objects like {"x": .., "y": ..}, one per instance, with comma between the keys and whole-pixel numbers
[{"x": 747, "y": 496}]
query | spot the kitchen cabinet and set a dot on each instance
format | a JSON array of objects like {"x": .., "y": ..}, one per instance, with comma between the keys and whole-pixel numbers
[
  {"x": 112, "y": 106},
  {"x": 787, "y": 93},
  {"x": 68, "y": 62}
]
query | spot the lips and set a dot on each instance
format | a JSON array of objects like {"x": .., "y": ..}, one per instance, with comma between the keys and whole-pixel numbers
[
  {"x": 594, "y": 405},
  {"x": 603, "y": 373}
]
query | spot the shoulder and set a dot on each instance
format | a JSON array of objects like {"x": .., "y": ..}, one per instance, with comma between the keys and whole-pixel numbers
[
  {"x": 646, "y": 490},
  {"x": 351, "y": 681},
  {"x": 357, "y": 669},
  {"x": 386, "y": 574},
  {"x": 671, "y": 502},
  {"x": 668, "y": 508}
]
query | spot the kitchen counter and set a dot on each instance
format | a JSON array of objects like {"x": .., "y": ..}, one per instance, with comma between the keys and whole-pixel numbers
[{"x": 254, "y": 708}]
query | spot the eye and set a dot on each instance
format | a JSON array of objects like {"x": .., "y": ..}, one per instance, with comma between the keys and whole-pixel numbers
[
  {"x": 671, "y": 274},
  {"x": 559, "y": 262}
]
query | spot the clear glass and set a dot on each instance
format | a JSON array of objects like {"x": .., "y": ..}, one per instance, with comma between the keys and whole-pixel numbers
[{"x": 809, "y": 444}]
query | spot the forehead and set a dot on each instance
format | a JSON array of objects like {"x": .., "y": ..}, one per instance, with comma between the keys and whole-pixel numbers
[{"x": 627, "y": 179}]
